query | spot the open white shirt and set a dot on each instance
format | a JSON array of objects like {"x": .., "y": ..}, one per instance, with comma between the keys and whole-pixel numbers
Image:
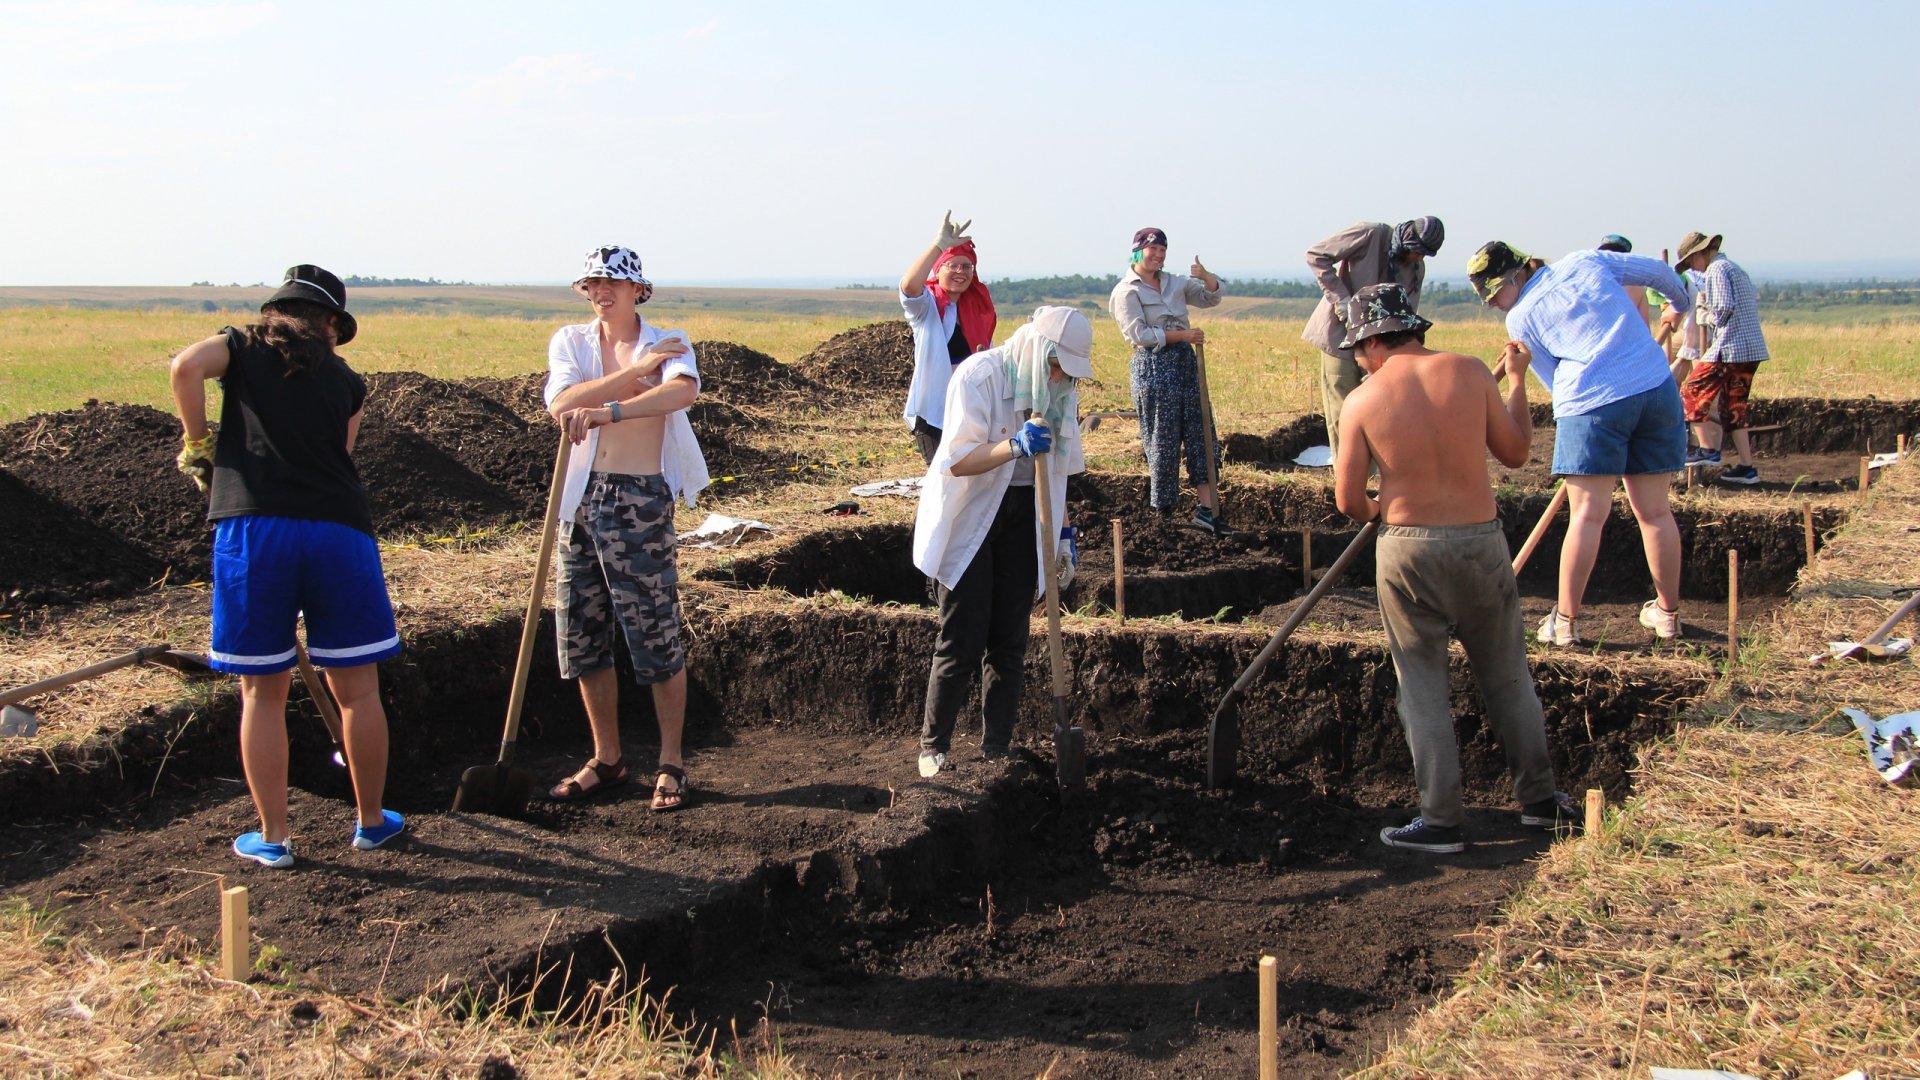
[
  {"x": 932, "y": 363},
  {"x": 573, "y": 357},
  {"x": 956, "y": 512}
]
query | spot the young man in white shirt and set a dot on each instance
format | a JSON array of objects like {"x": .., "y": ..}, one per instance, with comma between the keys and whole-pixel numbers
[{"x": 620, "y": 389}]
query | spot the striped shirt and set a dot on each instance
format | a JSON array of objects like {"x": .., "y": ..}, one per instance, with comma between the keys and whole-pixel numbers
[
  {"x": 1733, "y": 311},
  {"x": 1590, "y": 347}
]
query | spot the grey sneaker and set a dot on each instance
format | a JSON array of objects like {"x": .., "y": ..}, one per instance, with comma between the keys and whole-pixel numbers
[
  {"x": 1700, "y": 455},
  {"x": 1664, "y": 624},
  {"x": 1417, "y": 835},
  {"x": 931, "y": 762},
  {"x": 1557, "y": 629}
]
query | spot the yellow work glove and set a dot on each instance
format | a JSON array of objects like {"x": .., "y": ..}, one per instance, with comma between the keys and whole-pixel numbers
[{"x": 196, "y": 460}]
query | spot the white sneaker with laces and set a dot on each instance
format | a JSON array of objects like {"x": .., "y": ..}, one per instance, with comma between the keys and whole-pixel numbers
[
  {"x": 1664, "y": 624},
  {"x": 931, "y": 762},
  {"x": 1557, "y": 629}
]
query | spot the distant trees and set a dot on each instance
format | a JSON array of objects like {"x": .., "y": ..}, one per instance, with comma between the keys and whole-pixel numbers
[
  {"x": 356, "y": 281},
  {"x": 1800, "y": 294}
]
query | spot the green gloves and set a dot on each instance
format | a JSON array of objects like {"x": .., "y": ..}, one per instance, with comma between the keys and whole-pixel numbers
[{"x": 196, "y": 460}]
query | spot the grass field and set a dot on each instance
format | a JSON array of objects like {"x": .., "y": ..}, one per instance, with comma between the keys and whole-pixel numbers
[{"x": 1259, "y": 371}]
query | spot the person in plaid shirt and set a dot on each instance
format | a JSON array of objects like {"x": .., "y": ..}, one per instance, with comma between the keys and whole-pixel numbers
[{"x": 1715, "y": 395}]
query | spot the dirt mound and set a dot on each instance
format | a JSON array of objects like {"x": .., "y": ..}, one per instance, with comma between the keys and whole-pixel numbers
[
  {"x": 744, "y": 376},
  {"x": 52, "y": 554},
  {"x": 113, "y": 508},
  {"x": 524, "y": 394},
  {"x": 872, "y": 359},
  {"x": 435, "y": 455}
]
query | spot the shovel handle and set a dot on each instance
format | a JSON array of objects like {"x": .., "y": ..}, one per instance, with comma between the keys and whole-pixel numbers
[
  {"x": 1540, "y": 528},
  {"x": 137, "y": 656},
  {"x": 1206, "y": 419},
  {"x": 322, "y": 700},
  {"x": 1050, "y": 540},
  {"x": 1299, "y": 615},
  {"x": 530, "y": 627}
]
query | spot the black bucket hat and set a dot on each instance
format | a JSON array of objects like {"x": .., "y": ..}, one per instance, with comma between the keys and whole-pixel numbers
[
  {"x": 316, "y": 286},
  {"x": 1380, "y": 309}
]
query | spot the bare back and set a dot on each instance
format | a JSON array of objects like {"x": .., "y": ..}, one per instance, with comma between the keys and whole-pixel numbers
[{"x": 1424, "y": 420}]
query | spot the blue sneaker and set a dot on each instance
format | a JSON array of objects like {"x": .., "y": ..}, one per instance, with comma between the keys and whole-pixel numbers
[
  {"x": 391, "y": 825},
  {"x": 254, "y": 846},
  {"x": 1700, "y": 455},
  {"x": 1420, "y": 836}
]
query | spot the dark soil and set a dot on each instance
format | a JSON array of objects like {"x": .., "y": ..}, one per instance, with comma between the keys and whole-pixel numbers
[
  {"x": 876, "y": 359},
  {"x": 746, "y": 376}
]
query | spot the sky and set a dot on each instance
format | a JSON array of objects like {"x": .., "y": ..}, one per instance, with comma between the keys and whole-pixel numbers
[{"x": 819, "y": 143}]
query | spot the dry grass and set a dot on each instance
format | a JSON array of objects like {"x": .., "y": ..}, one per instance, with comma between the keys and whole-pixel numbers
[
  {"x": 1752, "y": 910},
  {"x": 159, "y": 1010}
]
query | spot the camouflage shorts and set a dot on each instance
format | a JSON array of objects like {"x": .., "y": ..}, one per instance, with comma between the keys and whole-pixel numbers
[{"x": 617, "y": 562}]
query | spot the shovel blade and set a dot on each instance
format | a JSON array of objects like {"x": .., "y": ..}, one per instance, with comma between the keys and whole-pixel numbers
[
  {"x": 1070, "y": 758},
  {"x": 1223, "y": 743},
  {"x": 17, "y": 722},
  {"x": 494, "y": 789}
]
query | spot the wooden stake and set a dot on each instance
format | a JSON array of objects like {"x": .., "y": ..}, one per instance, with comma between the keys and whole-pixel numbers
[
  {"x": 1690, "y": 470},
  {"x": 1806, "y": 516},
  {"x": 1733, "y": 604},
  {"x": 1269, "y": 1018},
  {"x": 1865, "y": 465},
  {"x": 1900, "y": 445},
  {"x": 1306, "y": 558},
  {"x": 1119, "y": 573},
  {"x": 1596, "y": 802},
  {"x": 235, "y": 963}
]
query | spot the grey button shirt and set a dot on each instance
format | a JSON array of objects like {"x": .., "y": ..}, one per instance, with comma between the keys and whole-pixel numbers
[
  {"x": 1145, "y": 313},
  {"x": 1346, "y": 262}
]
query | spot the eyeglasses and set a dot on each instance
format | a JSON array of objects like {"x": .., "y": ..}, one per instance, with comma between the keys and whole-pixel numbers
[{"x": 958, "y": 265}]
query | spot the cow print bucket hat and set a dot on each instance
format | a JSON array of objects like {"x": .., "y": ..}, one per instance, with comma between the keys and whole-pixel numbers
[{"x": 617, "y": 263}]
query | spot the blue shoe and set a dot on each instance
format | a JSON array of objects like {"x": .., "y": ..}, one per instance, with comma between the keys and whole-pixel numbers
[
  {"x": 1700, "y": 455},
  {"x": 1420, "y": 836},
  {"x": 1741, "y": 474},
  {"x": 254, "y": 846},
  {"x": 391, "y": 825}
]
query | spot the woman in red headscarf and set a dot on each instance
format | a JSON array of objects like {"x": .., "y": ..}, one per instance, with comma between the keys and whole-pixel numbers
[{"x": 952, "y": 317}]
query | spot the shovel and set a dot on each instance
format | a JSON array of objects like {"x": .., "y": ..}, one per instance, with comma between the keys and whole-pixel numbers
[
  {"x": 329, "y": 716},
  {"x": 1223, "y": 733},
  {"x": 1069, "y": 742},
  {"x": 1206, "y": 424},
  {"x": 501, "y": 788}
]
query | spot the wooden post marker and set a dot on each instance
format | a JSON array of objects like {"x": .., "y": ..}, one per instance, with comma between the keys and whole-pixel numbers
[
  {"x": 235, "y": 963},
  {"x": 1306, "y": 558},
  {"x": 1733, "y": 604},
  {"x": 1806, "y": 516},
  {"x": 1119, "y": 573},
  {"x": 1900, "y": 445},
  {"x": 1269, "y": 1018},
  {"x": 1865, "y": 465},
  {"x": 1690, "y": 470},
  {"x": 1596, "y": 803}
]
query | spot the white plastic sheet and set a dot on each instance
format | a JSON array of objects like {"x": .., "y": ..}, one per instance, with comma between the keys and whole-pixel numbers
[
  {"x": 720, "y": 531},
  {"x": 1893, "y": 744},
  {"x": 1315, "y": 457},
  {"x": 908, "y": 487}
]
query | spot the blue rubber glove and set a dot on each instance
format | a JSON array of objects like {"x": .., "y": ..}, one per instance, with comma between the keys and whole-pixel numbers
[
  {"x": 1032, "y": 438},
  {"x": 1069, "y": 560}
]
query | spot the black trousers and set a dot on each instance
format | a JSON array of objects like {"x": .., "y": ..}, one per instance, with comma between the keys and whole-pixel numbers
[{"x": 983, "y": 623}]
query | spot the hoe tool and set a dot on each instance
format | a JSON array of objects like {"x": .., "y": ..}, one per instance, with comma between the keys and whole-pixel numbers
[
  {"x": 1540, "y": 528},
  {"x": 21, "y": 720},
  {"x": 1069, "y": 741},
  {"x": 322, "y": 700},
  {"x": 1223, "y": 734},
  {"x": 502, "y": 788}
]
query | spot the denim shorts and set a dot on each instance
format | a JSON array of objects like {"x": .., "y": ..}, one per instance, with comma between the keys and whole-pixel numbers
[{"x": 1645, "y": 433}]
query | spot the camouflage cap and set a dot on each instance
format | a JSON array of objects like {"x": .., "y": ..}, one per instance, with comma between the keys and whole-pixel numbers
[
  {"x": 1493, "y": 266},
  {"x": 1380, "y": 309}
]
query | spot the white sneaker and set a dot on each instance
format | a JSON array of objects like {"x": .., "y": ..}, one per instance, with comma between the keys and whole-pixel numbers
[
  {"x": 931, "y": 762},
  {"x": 1557, "y": 629},
  {"x": 1664, "y": 624}
]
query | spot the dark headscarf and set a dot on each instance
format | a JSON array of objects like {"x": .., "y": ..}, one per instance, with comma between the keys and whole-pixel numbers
[{"x": 1421, "y": 236}]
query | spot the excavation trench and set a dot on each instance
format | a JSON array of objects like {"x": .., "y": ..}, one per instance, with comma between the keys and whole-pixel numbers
[{"x": 879, "y": 920}]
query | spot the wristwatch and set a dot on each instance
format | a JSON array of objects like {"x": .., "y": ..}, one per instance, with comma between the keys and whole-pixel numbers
[{"x": 614, "y": 408}]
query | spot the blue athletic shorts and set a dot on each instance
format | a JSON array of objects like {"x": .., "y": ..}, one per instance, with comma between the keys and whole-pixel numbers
[
  {"x": 270, "y": 572},
  {"x": 1645, "y": 433}
]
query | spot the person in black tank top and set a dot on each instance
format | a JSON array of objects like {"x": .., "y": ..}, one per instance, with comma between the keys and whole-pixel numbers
[{"x": 293, "y": 541}]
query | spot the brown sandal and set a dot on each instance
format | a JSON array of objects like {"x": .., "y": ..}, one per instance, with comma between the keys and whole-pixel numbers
[
  {"x": 605, "y": 778},
  {"x": 670, "y": 798}
]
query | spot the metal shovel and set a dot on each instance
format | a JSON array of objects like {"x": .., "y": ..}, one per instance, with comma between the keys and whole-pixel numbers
[
  {"x": 1223, "y": 733},
  {"x": 1069, "y": 742},
  {"x": 502, "y": 787}
]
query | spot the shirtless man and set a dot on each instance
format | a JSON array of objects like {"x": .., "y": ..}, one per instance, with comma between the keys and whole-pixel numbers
[
  {"x": 620, "y": 387},
  {"x": 1427, "y": 420}
]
